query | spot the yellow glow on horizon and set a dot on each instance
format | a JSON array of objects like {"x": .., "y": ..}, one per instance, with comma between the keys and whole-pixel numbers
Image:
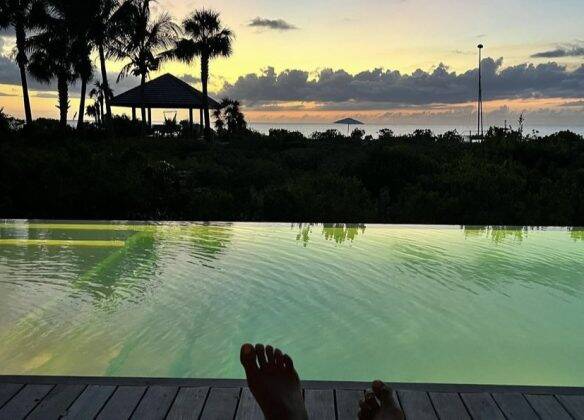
[{"x": 311, "y": 112}]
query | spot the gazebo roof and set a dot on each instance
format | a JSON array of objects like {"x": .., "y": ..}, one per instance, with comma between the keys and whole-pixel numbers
[{"x": 166, "y": 91}]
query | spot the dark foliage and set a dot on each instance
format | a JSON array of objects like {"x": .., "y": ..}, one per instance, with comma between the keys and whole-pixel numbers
[{"x": 52, "y": 173}]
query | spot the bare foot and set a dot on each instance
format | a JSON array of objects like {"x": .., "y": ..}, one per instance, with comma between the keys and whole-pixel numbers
[
  {"x": 274, "y": 383},
  {"x": 379, "y": 404}
]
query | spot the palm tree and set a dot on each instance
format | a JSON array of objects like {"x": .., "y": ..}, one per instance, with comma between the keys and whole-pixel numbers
[
  {"x": 94, "y": 111},
  {"x": 101, "y": 93},
  {"x": 109, "y": 18},
  {"x": 83, "y": 68},
  {"x": 56, "y": 50},
  {"x": 208, "y": 39},
  {"x": 142, "y": 42},
  {"x": 85, "y": 71},
  {"x": 46, "y": 63},
  {"x": 18, "y": 14},
  {"x": 228, "y": 117}
]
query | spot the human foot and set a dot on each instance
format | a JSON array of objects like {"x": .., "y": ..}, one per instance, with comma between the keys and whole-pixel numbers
[
  {"x": 371, "y": 409},
  {"x": 273, "y": 381}
]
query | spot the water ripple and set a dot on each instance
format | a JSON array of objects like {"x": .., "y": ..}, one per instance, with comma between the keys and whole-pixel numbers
[{"x": 178, "y": 299}]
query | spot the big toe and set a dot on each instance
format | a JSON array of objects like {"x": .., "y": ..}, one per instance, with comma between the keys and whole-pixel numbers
[{"x": 247, "y": 356}]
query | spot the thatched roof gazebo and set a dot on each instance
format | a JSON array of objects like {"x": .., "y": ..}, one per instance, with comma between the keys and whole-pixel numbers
[{"x": 166, "y": 91}]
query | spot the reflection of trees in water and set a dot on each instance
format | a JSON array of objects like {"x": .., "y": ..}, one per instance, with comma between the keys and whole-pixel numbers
[
  {"x": 340, "y": 232},
  {"x": 551, "y": 268},
  {"x": 337, "y": 232},
  {"x": 209, "y": 240},
  {"x": 128, "y": 273},
  {"x": 122, "y": 274},
  {"x": 304, "y": 231},
  {"x": 497, "y": 234},
  {"x": 577, "y": 234}
]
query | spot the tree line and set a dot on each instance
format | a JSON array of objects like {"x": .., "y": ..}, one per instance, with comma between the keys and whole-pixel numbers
[
  {"x": 508, "y": 179},
  {"x": 56, "y": 39}
]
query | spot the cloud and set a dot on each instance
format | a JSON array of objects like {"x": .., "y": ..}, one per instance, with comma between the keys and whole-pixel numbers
[
  {"x": 383, "y": 87},
  {"x": 559, "y": 52},
  {"x": 192, "y": 80},
  {"x": 10, "y": 75},
  {"x": 461, "y": 52},
  {"x": 8, "y": 31},
  {"x": 273, "y": 24}
]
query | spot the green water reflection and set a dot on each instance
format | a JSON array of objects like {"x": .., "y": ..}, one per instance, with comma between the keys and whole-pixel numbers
[{"x": 337, "y": 232}]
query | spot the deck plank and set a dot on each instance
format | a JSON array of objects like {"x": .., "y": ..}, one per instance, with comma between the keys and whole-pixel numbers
[
  {"x": 514, "y": 406},
  {"x": 448, "y": 405},
  {"x": 155, "y": 403},
  {"x": 416, "y": 405},
  {"x": 55, "y": 404},
  {"x": 248, "y": 407},
  {"x": 348, "y": 403},
  {"x": 188, "y": 403},
  {"x": 481, "y": 405},
  {"x": 7, "y": 391},
  {"x": 122, "y": 403},
  {"x": 320, "y": 404},
  {"x": 221, "y": 404},
  {"x": 396, "y": 399},
  {"x": 90, "y": 402},
  {"x": 24, "y": 401},
  {"x": 574, "y": 404},
  {"x": 547, "y": 407}
]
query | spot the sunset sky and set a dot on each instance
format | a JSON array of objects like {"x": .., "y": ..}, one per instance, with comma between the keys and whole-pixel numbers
[{"x": 384, "y": 61}]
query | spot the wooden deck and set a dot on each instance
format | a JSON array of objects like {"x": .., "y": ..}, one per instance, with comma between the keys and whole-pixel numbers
[{"x": 124, "y": 398}]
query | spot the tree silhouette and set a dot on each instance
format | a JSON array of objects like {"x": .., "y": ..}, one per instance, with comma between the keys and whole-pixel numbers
[
  {"x": 207, "y": 39},
  {"x": 94, "y": 111},
  {"x": 57, "y": 49},
  {"x": 228, "y": 117},
  {"x": 109, "y": 20},
  {"x": 141, "y": 43},
  {"x": 102, "y": 94},
  {"x": 20, "y": 15},
  {"x": 83, "y": 67}
]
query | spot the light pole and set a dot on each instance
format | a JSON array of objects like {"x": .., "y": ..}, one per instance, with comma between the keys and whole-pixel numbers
[{"x": 480, "y": 131}]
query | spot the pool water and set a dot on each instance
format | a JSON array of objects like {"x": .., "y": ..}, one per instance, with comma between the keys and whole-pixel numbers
[{"x": 401, "y": 303}]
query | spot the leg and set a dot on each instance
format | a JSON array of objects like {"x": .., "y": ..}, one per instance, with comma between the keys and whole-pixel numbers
[{"x": 274, "y": 383}]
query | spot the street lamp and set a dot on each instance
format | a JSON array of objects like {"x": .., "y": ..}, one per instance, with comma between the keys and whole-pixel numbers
[{"x": 480, "y": 131}]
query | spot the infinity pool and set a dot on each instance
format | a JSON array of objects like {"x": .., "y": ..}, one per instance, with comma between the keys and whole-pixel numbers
[{"x": 403, "y": 303}]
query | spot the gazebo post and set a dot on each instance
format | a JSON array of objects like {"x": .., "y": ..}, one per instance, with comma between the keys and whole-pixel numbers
[
  {"x": 191, "y": 120},
  {"x": 201, "y": 118},
  {"x": 133, "y": 113},
  {"x": 149, "y": 117}
]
